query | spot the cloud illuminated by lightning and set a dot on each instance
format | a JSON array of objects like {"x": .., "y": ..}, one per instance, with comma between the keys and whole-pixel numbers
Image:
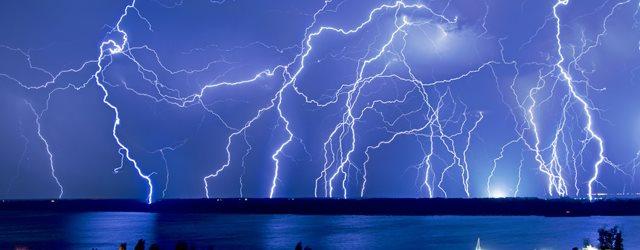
[{"x": 446, "y": 130}]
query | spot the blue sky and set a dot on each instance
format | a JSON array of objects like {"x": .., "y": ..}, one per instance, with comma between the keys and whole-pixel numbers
[{"x": 343, "y": 98}]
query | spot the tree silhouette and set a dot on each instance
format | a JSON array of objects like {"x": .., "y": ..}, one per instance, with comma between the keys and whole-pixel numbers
[
  {"x": 610, "y": 238},
  {"x": 618, "y": 241},
  {"x": 605, "y": 239}
]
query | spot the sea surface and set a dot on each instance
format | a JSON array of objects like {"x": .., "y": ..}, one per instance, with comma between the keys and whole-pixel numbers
[{"x": 105, "y": 230}]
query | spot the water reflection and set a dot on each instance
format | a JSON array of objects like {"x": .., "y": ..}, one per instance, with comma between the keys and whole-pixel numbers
[{"x": 107, "y": 230}]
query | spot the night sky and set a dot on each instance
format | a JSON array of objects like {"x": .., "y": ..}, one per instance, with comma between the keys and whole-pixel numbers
[{"x": 161, "y": 99}]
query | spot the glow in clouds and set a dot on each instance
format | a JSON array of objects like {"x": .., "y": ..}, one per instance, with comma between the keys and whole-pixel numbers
[{"x": 392, "y": 99}]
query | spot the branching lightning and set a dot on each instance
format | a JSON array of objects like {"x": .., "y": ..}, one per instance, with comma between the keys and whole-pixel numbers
[{"x": 386, "y": 102}]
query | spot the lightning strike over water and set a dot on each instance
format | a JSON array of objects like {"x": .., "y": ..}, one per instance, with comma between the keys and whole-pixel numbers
[
  {"x": 46, "y": 146},
  {"x": 326, "y": 99}
]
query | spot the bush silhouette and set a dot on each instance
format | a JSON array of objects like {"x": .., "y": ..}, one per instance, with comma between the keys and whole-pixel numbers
[
  {"x": 139, "y": 245},
  {"x": 299, "y": 246}
]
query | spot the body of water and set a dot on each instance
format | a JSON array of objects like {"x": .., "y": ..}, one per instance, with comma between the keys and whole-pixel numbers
[{"x": 105, "y": 230}]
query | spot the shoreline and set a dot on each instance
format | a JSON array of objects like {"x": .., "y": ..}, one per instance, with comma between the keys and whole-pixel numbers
[{"x": 563, "y": 207}]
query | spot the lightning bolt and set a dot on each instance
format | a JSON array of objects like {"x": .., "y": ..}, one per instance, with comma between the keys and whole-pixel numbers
[
  {"x": 23, "y": 157},
  {"x": 163, "y": 151},
  {"x": 586, "y": 107},
  {"x": 560, "y": 152},
  {"x": 111, "y": 48},
  {"x": 47, "y": 148},
  {"x": 428, "y": 111}
]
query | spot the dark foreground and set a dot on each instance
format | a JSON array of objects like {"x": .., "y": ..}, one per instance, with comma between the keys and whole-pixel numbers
[
  {"x": 106, "y": 230},
  {"x": 437, "y": 206}
]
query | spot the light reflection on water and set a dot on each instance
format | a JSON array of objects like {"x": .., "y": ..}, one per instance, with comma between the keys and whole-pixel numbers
[{"x": 105, "y": 230}]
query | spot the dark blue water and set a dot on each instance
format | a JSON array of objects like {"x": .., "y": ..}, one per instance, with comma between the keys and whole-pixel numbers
[{"x": 105, "y": 230}]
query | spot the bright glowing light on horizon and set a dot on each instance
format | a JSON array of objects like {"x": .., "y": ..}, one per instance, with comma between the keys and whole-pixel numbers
[
  {"x": 498, "y": 193},
  {"x": 336, "y": 97}
]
